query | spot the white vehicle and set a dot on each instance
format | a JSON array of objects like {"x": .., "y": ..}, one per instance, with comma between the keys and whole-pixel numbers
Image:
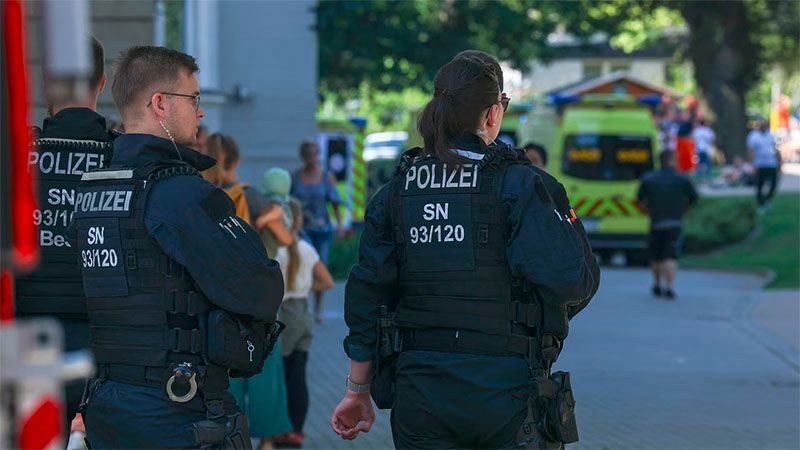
[{"x": 386, "y": 145}]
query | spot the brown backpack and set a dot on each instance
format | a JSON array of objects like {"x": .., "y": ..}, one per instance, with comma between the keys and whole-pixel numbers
[{"x": 236, "y": 193}]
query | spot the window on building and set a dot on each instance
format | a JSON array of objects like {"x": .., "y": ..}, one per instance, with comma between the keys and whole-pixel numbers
[
  {"x": 620, "y": 67},
  {"x": 592, "y": 69}
]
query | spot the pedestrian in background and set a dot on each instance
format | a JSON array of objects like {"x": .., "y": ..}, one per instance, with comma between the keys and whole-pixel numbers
[
  {"x": 761, "y": 145},
  {"x": 303, "y": 272},
  {"x": 704, "y": 139},
  {"x": 263, "y": 397},
  {"x": 537, "y": 155},
  {"x": 276, "y": 184},
  {"x": 250, "y": 204},
  {"x": 316, "y": 189},
  {"x": 684, "y": 145},
  {"x": 665, "y": 195}
]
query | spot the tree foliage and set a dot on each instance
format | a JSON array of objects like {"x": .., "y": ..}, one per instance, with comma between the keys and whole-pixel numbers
[
  {"x": 392, "y": 45},
  {"x": 397, "y": 44}
]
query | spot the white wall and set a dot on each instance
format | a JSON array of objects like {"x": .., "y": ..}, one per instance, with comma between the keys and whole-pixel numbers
[
  {"x": 543, "y": 78},
  {"x": 118, "y": 25},
  {"x": 270, "y": 48}
]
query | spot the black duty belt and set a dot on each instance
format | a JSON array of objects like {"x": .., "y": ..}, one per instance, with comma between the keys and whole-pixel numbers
[
  {"x": 138, "y": 375},
  {"x": 462, "y": 341}
]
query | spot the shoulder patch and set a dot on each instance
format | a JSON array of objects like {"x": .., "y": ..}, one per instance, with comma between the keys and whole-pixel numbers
[{"x": 217, "y": 205}]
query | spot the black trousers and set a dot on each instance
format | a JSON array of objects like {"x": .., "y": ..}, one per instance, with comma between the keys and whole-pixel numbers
[
  {"x": 294, "y": 367},
  {"x": 766, "y": 175}
]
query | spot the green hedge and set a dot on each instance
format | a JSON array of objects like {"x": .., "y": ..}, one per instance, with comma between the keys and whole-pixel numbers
[
  {"x": 344, "y": 255},
  {"x": 718, "y": 221}
]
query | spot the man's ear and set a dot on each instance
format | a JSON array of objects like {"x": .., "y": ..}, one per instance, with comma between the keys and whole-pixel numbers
[
  {"x": 158, "y": 106},
  {"x": 101, "y": 85}
]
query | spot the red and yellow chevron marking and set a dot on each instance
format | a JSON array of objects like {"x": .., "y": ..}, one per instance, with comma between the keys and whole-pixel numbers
[{"x": 607, "y": 207}]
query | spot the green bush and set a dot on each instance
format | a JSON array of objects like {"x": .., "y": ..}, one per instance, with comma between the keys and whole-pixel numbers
[
  {"x": 344, "y": 255},
  {"x": 718, "y": 221}
]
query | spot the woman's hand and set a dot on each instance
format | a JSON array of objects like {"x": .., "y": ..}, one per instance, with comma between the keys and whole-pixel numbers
[{"x": 353, "y": 415}]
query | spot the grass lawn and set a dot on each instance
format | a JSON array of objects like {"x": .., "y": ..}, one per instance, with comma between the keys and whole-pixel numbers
[{"x": 776, "y": 245}]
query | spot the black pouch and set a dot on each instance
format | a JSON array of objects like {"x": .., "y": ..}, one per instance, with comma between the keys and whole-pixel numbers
[
  {"x": 558, "y": 422},
  {"x": 385, "y": 364},
  {"x": 239, "y": 344}
]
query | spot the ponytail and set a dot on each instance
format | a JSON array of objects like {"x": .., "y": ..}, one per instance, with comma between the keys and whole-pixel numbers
[{"x": 463, "y": 89}]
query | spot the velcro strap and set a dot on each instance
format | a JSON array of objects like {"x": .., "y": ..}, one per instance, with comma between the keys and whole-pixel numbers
[
  {"x": 182, "y": 302},
  {"x": 185, "y": 341},
  {"x": 59, "y": 306},
  {"x": 525, "y": 313}
]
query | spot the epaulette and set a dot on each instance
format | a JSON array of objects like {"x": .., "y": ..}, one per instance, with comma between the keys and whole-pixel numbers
[
  {"x": 407, "y": 159},
  {"x": 502, "y": 152}
]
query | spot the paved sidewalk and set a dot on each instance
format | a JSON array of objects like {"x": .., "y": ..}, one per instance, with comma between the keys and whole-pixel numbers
[
  {"x": 647, "y": 373},
  {"x": 777, "y": 312}
]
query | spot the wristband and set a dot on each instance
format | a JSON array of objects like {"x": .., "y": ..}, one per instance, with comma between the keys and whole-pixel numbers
[{"x": 357, "y": 388}]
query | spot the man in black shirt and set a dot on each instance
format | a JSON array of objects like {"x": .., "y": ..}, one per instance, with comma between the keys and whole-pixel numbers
[{"x": 665, "y": 196}]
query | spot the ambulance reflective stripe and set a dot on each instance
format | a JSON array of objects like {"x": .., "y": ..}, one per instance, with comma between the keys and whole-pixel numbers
[
  {"x": 607, "y": 207},
  {"x": 359, "y": 178}
]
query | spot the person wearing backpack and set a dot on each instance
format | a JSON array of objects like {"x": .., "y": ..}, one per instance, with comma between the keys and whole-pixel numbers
[{"x": 263, "y": 396}]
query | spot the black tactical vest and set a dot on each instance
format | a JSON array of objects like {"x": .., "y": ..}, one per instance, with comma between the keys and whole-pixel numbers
[
  {"x": 450, "y": 227},
  {"x": 144, "y": 308},
  {"x": 55, "y": 287}
]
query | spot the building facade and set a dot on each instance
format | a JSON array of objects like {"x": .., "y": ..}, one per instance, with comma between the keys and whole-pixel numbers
[{"x": 258, "y": 67}]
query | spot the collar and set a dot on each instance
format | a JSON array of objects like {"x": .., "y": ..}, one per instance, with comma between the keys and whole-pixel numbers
[
  {"x": 470, "y": 145},
  {"x": 130, "y": 149},
  {"x": 76, "y": 123}
]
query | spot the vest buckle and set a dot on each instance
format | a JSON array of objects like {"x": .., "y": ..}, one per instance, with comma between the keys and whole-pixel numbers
[
  {"x": 130, "y": 260},
  {"x": 526, "y": 313},
  {"x": 192, "y": 305},
  {"x": 551, "y": 347},
  {"x": 483, "y": 234}
]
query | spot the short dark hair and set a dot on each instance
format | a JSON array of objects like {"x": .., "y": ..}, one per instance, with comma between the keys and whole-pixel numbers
[
  {"x": 140, "y": 68},
  {"x": 306, "y": 146},
  {"x": 666, "y": 157},
  {"x": 462, "y": 90},
  {"x": 539, "y": 148},
  {"x": 98, "y": 60}
]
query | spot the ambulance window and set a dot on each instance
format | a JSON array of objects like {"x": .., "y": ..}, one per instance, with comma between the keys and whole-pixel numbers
[{"x": 607, "y": 157}]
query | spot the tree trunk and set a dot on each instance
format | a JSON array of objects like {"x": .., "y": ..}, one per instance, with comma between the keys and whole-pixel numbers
[{"x": 726, "y": 62}]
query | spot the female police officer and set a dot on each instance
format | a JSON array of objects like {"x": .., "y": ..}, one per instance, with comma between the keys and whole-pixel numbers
[{"x": 469, "y": 260}]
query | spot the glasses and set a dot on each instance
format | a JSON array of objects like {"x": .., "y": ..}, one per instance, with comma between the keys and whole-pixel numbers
[
  {"x": 505, "y": 100},
  {"x": 195, "y": 98}
]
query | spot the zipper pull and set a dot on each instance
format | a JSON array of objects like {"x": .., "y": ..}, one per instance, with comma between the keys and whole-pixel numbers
[{"x": 250, "y": 348}]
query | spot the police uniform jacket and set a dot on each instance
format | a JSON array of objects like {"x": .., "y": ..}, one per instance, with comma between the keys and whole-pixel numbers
[
  {"x": 70, "y": 143},
  {"x": 184, "y": 214},
  {"x": 563, "y": 275},
  {"x": 448, "y": 389}
]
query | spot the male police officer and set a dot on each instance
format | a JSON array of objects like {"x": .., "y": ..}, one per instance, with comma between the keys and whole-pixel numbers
[
  {"x": 177, "y": 287},
  {"x": 73, "y": 140}
]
